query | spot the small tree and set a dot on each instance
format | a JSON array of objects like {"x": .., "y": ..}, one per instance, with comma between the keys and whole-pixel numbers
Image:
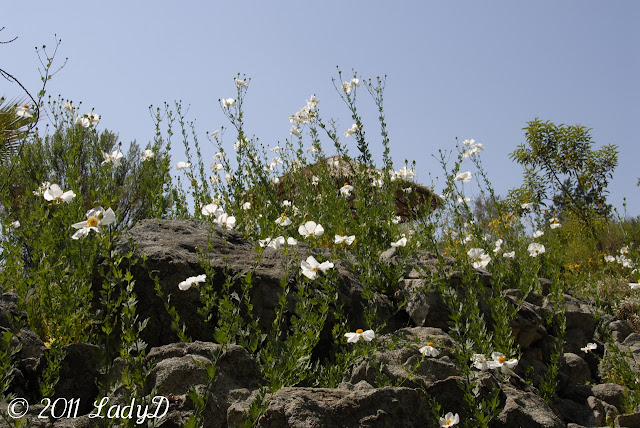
[{"x": 562, "y": 169}]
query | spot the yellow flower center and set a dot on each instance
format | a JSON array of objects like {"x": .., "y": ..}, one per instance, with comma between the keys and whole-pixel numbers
[
  {"x": 359, "y": 331},
  {"x": 92, "y": 222},
  {"x": 501, "y": 360},
  {"x": 346, "y": 184},
  {"x": 25, "y": 106},
  {"x": 448, "y": 421},
  {"x": 284, "y": 214},
  {"x": 430, "y": 344}
]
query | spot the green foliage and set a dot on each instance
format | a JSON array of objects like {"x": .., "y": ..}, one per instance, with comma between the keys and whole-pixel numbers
[{"x": 563, "y": 169}]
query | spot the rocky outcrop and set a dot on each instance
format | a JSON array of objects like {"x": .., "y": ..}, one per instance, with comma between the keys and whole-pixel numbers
[{"x": 394, "y": 386}]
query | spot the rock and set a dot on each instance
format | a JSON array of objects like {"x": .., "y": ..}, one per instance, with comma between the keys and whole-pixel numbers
[
  {"x": 179, "y": 367},
  {"x": 79, "y": 375},
  {"x": 524, "y": 408},
  {"x": 175, "y": 250},
  {"x": 321, "y": 407},
  {"x": 620, "y": 330},
  {"x": 628, "y": 421},
  {"x": 610, "y": 393},
  {"x": 11, "y": 317},
  {"x": 573, "y": 371}
]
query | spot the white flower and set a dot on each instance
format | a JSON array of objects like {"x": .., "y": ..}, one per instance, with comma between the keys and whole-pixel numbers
[
  {"x": 449, "y": 419},
  {"x": 214, "y": 134},
  {"x": 310, "y": 267},
  {"x": 537, "y": 234},
  {"x": 55, "y": 193},
  {"x": 535, "y": 249},
  {"x": 15, "y": 224},
  {"x": 192, "y": 280},
  {"x": 24, "y": 111},
  {"x": 589, "y": 347},
  {"x": 82, "y": 121},
  {"x": 346, "y": 190},
  {"x": 228, "y": 102},
  {"x": 429, "y": 351},
  {"x": 275, "y": 150},
  {"x": 469, "y": 143},
  {"x": 275, "y": 180},
  {"x": 473, "y": 150},
  {"x": 219, "y": 156},
  {"x": 633, "y": 285},
  {"x": 465, "y": 177},
  {"x": 291, "y": 241},
  {"x": 272, "y": 243},
  {"x": 498, "y": 244},
  {"x": 478, "y": 258},
  {"x": 402, "y": 242},
  {"x": 526, "y": 205},
  {"x": 500, "y": 362},
  {"x": 226, "y": 220},
  {"x": 216, "y": 166},
  {"x": 214, "y": 179},
  {"x": 555, "y": 225},
  {"x": 112, "y": 158},
  {"x": 241, "y": 83},
  {"x": 40, "y": 190},
  {"x": 609, "y": 259},
  {"x": 347, "y": 86},
  {"x": 509, "y": 255},
  {"x": 479, "y": 361},
  {"x": 283, "y": 220},
  {"x": 96, "y": 218},
  {"x": 408, "y": 190},
  {"x": 295, "y": 131},
  {"x": 397, "y": 219},
  {"x": 339, "y": 239},
  {"x": 183, "y": 165},
  {"x": 238, "y": 144},
  {"x": 246, "y": 206},
  {"x": 228, "y": 178},
  {"x": 624, "y": 250},
  {"x": 464, "y": 200},
  {"x": 146, "y": 155},
  {"x": 69, "y": 106},
  {"x": 310, "y": 228},
  {"x": 315, "y": 180},
  {"x": 212, "y": 210},
  {"x": 349, "y": 132},
  {"x": 367, "y": 336}
]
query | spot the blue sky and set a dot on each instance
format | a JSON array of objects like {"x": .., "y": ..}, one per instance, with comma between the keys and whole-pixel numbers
[{"x": 466, "y": 69}]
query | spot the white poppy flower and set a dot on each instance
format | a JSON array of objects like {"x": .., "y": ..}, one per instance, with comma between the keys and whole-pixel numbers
[
  {"x": 216, "y": 166},
  {"x": 15, "y": 224},
  {"x": 509, "y": 255},
  {"x": 609, "y": 259},
  {"x": 214, "y": 134},
  {"x": 402, "y": 242},
  {"x": 469, "y": 143},
  {"x": 346, "y": 190},
  {"x": 537, "y": 234},
  {"x": 112, "y": 158},
  {"x": 295, "y": 131},
  {"x": 633, "y": 285},
  {"x": 146, "y": 155},
  {"x": 96, "y": 218},
  {"x": 241, "y": 83},
  {"x": 291, "y": 241},
  {"x": 310, "y": 267},
  {"x": 246, "y": 206},
  {"x": 310, "y": 228},
  {"x": 478, "y": 258},
  {"x": 226, "y": 220},
  {"x": 212, "y": 210},
  {"x": 526, "y": 205},
  {"x": 24, "y": 111},
  {"x": 69, "y": 106},
  {"x": 465, "y": 177},
  {"x": 479, "y": 361},
  {"x": 55, "y": 193},
  {"x": 589, "y": 347},
  {"x": 339, "y": 239},
  {"x": 449, "y": 419},
  {"x": 283, "y": 220},
  {"x": 624, "y": 250},
  {"x": 183, "y": 165},
  {"x": 192, "y": 280},
  {"x": 228, "y": 178},
  {"x": 535, "y": 249},
  {"x": 228, "y": 102},
  {"x": 498, "y": 361},
  {"x": 315, "y": 180},
  {"x": 349, "y": 132},
  {"x": 429, "y": 350},
  {"x": 367, "y": 336},
  {"x": 214, "y": 179}
]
